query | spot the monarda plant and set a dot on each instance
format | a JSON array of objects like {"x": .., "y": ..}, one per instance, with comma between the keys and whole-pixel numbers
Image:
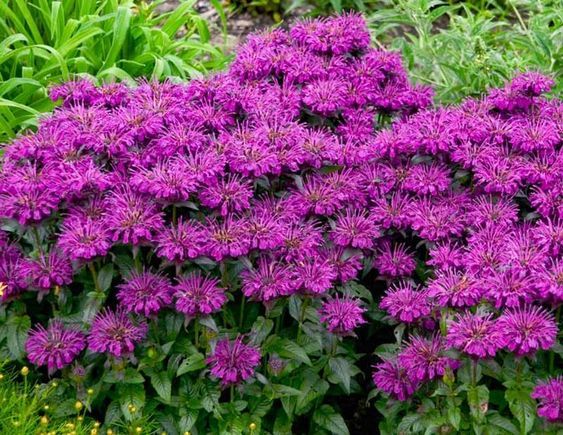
[{"x": 255, "y": 251}]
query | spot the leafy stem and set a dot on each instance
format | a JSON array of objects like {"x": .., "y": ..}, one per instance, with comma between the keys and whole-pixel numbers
[{"x": 94, "y": 274}]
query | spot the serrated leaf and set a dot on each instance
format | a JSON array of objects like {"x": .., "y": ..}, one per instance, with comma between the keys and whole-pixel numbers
[
  {"x": 162, "y": 384},
  {"x": 478, "y": 400},
  {"x": 327, "y": 418},
  {"x": 523, "y": 407},
  {"x": 17, "y": 328},
  {"x": 193, "y": 362},
  {"x": 342, "y": 371},
  {"x": 105, "y": 277},
  {"x": 260, "y": 330},
  {"x": 128, "y": 376}
]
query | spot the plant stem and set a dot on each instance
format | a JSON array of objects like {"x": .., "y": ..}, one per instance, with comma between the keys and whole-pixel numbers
[
  {"x": 137, "y": 258},
  {"x": 302, "y": 317},
  {"x": 196, "y": 332},
  {"x": 37, "y": 240},
  {"x": 174, "y": 215},
  {"x": 94, "y": 274},
  {"x": 232, "y": 393},
  {"x": 552, "y": 353},
  {"x": 473, "y": 372},
  {"x": 241, "y": 316}
]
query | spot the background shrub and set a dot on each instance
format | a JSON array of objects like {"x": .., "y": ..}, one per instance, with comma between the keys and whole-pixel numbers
[{"x": 46, "y": 42}]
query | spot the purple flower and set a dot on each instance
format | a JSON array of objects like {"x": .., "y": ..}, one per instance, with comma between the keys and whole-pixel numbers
[
  {"x": 488, "y": 210},
  {"x": 426, "y": 179},
  {"x": 198, "y": 295},
  {"x": 346, "y": 263},
  {"x": 144, "y": 293},
  {"x": 49, "y": 270},
  {"x": 425, "y": 359},
  {"x": 550, "y": 396},
  {"x": 131, "y": 218},
  {"x": 13, "y": 276},
  {"x": 453, "y": 288},
  {"x": 354, "y": 228},
  {"x": 550, "y": 282},
  {"x": 510, "y": 288},
  {"x": 114, "y": 332},
  {"x": 301, "y": 240},
  {"x": 167, "y": 180},
  {"x": 84, "y": 239},
  {"x": 325, "y": 97},
  {"x": 27, "y": 205},
  {"x": 342, "y": 315},
  {"x": 229, "y": 194},
  {"x": 446, "y": 254},
  {"x": 314, "y": 275},
  {"x": 226, "y": 238},
  {"x": 406, "y": 303},
  {"x": 233, "y": 361},
  {"x": 392, "y": 212},
  {"x": 56, "y": 347},
  {"x": 475, "y": 335},
  {"x": 265, "y": 230},
  {"x": 180, "y": 242},
  {"x": 526, "y": 330},
  {"x": 394, "y": 260},
  {"x": 269, "y": 280},
  {"x": 393, "y": 378}
]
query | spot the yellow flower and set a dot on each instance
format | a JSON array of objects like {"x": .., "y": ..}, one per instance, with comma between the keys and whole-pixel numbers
[
  {"x": 25, "y": 371},
  {"x": 252, "y": 426},
  {"x": 90, "y": 391},
  {"x": 78, "y": 405},
  {"x": 138, "y": 429}
]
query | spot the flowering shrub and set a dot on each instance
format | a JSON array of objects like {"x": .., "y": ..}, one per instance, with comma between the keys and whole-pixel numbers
[{"x": 209, "y": 253}]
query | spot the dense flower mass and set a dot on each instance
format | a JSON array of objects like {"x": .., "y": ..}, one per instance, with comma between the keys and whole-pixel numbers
[{"x": 310, "y": 168}]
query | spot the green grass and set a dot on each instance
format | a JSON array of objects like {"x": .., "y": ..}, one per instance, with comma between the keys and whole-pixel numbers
[
  {"x": 461, "y": 49},
  {"x": 45, "y": 41}
]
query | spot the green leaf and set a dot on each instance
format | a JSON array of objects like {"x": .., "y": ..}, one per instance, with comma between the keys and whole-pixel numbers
[
  {"x": 454, "y": 416},
  {"x": 105, "y": 276},
  {"x": 193, "y": 362},
  {"x": 120, "y": 31},
  {"x": 282, "y": 425},
  {"x": 498, "y": 421},
  {"x": 523, "y": 407},
  {"x": 162, "y": 384},
  {"x": 327, "y": 418},
  {"x": 130, "y": 395},
  {"x": 260, "y": 330},
  {"x": 341, "y": 371},
  {"x": 478, "y": 400},
  {"x": 128, "y": 376},
  {"x": 17, "y": 329},
  {"x": 292, "y": 350}
]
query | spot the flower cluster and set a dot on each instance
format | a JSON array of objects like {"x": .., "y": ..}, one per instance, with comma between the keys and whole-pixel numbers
[{"x": 311, "y": 158}]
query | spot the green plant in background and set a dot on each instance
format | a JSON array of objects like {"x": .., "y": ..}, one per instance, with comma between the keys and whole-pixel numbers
[
  {"x": 273, "y": 8},
  {"x": 44, "y": 41},
  {"x": 326, "y": 7},
  {"x": 463, "y": 49}
]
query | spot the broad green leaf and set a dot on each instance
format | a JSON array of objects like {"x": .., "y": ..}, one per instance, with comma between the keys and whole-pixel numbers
[
  {"x": 478, "y": 400},
  {"x": 193, "y": 362},
  {"x": 162, "y": 384},
  {"x": 327, "y": 418}
]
